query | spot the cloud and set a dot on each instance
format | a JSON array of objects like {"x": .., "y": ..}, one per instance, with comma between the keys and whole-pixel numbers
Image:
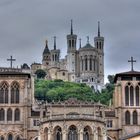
[{"x": 26, "y": 24}]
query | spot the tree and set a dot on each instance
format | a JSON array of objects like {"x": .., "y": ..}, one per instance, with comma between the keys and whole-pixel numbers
[
  {"x": 111, "y": 79},
  {"x": 40, "y": 74}
]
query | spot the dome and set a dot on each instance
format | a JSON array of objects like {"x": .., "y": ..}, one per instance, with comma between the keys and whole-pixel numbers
[{"x": 87, "y": 46}]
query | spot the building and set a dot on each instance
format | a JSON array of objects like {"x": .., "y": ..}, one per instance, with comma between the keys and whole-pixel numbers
[
  {"x": 22, "y": 117},
  {"x": 83, "y": 65}
]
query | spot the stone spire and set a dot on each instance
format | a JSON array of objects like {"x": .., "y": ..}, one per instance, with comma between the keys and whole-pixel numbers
[
  {"x": 98, "y": 28},
  {"x": 54, "y": 42},
  {"x": 71, "y": 27}
]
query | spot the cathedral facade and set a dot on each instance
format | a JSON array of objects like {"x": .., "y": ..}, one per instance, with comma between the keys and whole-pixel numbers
[{"x": 83, "y": 65}]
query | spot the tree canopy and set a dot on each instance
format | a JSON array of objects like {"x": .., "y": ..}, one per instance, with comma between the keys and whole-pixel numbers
[{"x": 59, "y": 90}]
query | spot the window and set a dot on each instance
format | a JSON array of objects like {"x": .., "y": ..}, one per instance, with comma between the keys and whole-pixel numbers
[
  {"x": 2, "y": 114},
  {"x": 72, "y": 133},
  {"x": 63, "y": 73},
  {"x": 109, "y": 123},
  {"x": 90, "y": 63},
  {"x": 4, "y": 93},
  {"x": 126, "y": 96},
  {"x": 36, "y": 122},
  {"x": 137, "y": 95},
  {"x": 127, "y": 118},
  {"x": 17, "y": 115},
  {"x": 15, "y": 93},
  {"x": 10, "y": 137},
  {"x": 9, "y": 114},
  {"x": 58, "y": 133},
  {"x": 131, "y": 96},
  {"x": 18, "y": 138},
  {"x": 86, "y": 135},
  {"x": 86, "y": 64},
  {"x": 1, "y": 138},
  {"x": 135, "y": 118}
]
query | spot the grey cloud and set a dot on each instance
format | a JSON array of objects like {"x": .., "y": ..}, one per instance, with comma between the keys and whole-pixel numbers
[{"x": 25, "y": 24}]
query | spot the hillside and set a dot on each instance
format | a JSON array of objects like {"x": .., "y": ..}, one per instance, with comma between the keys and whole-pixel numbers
[{"x": 59, "y": 90}]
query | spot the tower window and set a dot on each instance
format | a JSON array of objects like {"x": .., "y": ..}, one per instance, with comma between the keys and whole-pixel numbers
[
  {"x": 127, "y": 118},
  {"x": 135, "y": 117},
  {"x": 137, "y": 95},
  {"x": 86, "y": 64}
]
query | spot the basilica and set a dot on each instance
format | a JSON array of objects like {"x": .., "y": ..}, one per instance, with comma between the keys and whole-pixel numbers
[{"x": 83, "y": 65}]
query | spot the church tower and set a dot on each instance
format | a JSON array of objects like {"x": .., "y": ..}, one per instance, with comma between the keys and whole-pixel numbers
[
  {"x": 46, "y": 56},
  {"x": 99, "y": 44},
  {"x": 55, "y": 55},
  {"x": 71, "y": 53}
]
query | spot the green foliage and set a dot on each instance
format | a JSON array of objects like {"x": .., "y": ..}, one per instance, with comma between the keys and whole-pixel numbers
[
  {"x": 59, "y": 90},
  {"x": 111, "y": 79},
  {"x": 40, "y": 74}
]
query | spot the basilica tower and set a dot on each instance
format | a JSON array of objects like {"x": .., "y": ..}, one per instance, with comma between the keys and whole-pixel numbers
[
  {"x": 99, "y": 44},
  {"x": 46, "y": 56},
  {"x": 71, "y": 54},
  {"x": 55, "y": 55}
]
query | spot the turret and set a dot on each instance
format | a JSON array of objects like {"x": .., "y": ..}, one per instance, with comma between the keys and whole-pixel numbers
[
  {"x": 71, "y": 40},
  {"x": 46, "y": 55}
]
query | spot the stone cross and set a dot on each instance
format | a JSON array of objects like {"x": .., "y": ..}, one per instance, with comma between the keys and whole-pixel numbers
[
  {"x": 132, "y": 63},
  {"x": 11, "y": 61}
]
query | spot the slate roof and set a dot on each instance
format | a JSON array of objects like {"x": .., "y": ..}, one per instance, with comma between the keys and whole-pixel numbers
[
  {"x": 88, "y": 45},
  {"x": 128, "y": 73}
]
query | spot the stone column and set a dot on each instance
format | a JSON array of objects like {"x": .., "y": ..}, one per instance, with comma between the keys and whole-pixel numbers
[
  {"x": 81, "y": 134},
  {"x": 49, "y": 135},
  {"x": 104, "y": 136},
  {"x": 95, "y": 132},
  {"x": 64, "y": 135}
]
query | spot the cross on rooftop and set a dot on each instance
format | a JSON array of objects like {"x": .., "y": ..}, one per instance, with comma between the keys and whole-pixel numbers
[
  {"x": 132, "y": 63},
  {"x": 11, "y": 61}
]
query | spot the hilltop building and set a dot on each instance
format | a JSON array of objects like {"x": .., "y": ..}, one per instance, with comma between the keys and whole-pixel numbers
[{"x": 83, "y": 65}]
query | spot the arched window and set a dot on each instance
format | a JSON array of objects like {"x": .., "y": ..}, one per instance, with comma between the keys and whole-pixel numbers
[
  {"x": 99, "y": 133},
  {"x": 86, "y": 64},
  {"x": 10, "y": 137},
  {"x": 46, "y": 133},
  {"x": 137, "y": 95},
  {"x": 15, "y": 92},
  {"x": 82, "y": 65},
  {"x": 127, "y": 118},
  {"x": 18, "y": 138},
  {"x": 135, "y": 117},
  {"x": 72, "y": 133},
  {"x": 2, "y": 114},
  {"x": 17, "y": 115},
  {"x": 131, "y": 96},
  {"x": 1, "y": 138},
  {"x": 86, "y": 134},
  {"x": 94, "y": 65},
  {"x": 58, "y": 133},
  {"x": 90, "y": 66},
  {"x": 4, "y": 93},
  {"x": 9, "y": 114},
  {"x": 127, "y": 96},
  {"x": 72, "y": 43}
]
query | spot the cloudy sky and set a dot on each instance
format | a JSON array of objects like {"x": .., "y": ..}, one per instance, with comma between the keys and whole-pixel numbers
[{"x": 26, "y": 24}]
